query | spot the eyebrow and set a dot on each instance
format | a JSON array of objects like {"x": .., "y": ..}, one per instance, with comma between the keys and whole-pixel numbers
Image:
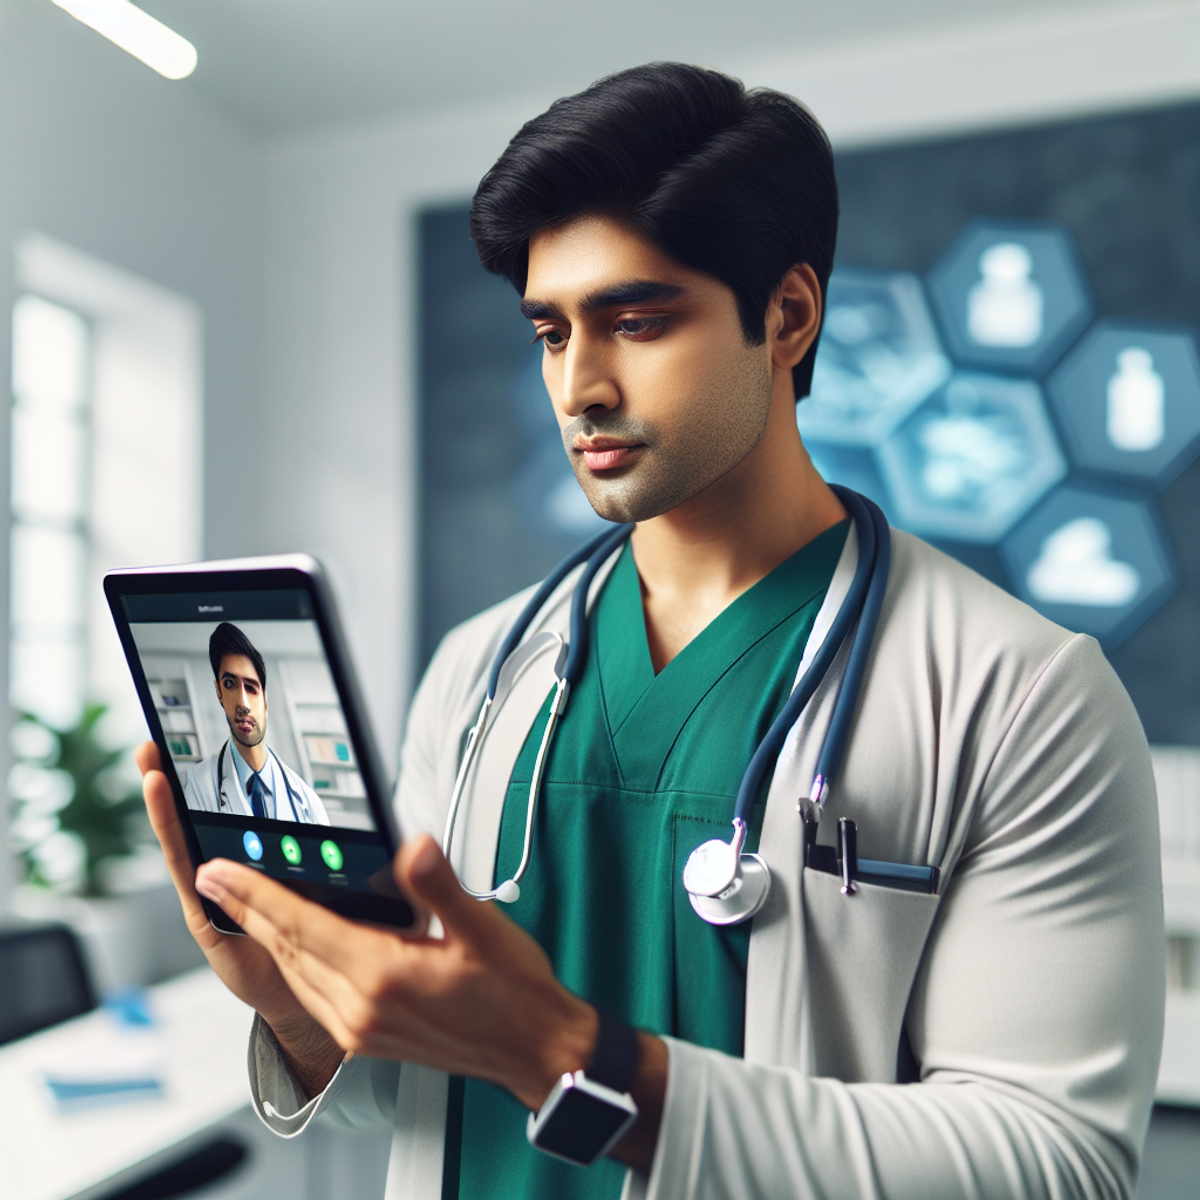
[{"x": 636, "y": 291}]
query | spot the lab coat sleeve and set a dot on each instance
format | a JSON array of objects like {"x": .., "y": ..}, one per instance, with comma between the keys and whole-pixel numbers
[
  {"x": 1036, "y": 1014},
  {"x": 361, "y": 1094}
]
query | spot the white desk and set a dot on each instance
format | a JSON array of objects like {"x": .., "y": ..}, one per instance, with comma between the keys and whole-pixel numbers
[{"x": 200, "y": 1037}]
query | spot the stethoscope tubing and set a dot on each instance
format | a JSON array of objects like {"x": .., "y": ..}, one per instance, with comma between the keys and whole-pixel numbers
[
  {"x": 844, "y": 625},
  {"x": 857, "y": 619},
  {"x": 593, "y": 554},
  {"x": 833, "y": 748}
]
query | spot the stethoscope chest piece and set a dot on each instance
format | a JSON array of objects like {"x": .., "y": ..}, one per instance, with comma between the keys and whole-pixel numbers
[{"x": 725, "y": 884}]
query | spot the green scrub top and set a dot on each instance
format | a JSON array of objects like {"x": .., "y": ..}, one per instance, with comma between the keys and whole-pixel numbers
[{"x": 643, "y": 769}]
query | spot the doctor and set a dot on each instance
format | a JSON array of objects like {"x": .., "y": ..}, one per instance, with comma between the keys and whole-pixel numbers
[
  {"x": 245, "y": 777},
  {"x": 993, "y": 1034}
]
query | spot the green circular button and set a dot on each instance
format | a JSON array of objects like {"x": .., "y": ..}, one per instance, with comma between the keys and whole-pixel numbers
[
  {"x": 291, "y": 849},
  {"x": 331, "y": 852}
]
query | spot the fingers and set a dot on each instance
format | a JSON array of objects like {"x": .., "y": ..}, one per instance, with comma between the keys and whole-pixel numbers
[
  {"x": 164, "y": 820},
  {"x": 147, "y": 758},
  {"x": 303, "y": 938},
  {"x": 423, "y": 871}
]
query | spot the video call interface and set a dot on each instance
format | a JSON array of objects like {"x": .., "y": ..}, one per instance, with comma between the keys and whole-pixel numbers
[{"x": 252, "y": 721}]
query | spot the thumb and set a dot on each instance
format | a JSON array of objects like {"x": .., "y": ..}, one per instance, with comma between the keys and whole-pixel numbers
[{"x": 423, "y": 871}]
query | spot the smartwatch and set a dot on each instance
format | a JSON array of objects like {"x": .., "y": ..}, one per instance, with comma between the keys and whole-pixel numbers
[{"x": 589, "y": 1111}]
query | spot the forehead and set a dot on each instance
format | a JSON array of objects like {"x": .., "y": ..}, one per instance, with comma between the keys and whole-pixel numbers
[
  {"x": 590, "y": 254},
  {"x": 239, "y": 665}
]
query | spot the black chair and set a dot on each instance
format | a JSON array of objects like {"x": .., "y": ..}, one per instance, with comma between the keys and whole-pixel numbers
[
  {"x": 215, "y": 1161},
  {"x": 43, "y": 979}
]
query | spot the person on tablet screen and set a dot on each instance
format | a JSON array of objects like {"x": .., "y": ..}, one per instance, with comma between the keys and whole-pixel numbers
[{"x": 246, "y": 777}]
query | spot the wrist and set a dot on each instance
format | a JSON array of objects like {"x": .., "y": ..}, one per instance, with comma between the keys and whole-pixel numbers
[{"x": 568, "y": 1048}]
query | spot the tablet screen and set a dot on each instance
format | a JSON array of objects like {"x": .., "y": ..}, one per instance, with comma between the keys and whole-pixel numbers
[{"x": 251, "y": 718}]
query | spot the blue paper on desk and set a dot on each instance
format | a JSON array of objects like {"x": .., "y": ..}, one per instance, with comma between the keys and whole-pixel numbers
[{"x": 125, "y": 1066}]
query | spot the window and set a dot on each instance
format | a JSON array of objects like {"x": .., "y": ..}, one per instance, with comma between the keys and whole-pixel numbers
[{"x": 50, "y": 507}]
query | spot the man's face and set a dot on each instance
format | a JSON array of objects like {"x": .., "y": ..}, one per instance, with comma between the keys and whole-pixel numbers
[
  {"x": 243, "y": 699},
  {"x": 656, "y": 392}
]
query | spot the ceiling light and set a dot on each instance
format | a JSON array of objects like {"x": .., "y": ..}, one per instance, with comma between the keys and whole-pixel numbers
[{"x": 138, "y": 33}]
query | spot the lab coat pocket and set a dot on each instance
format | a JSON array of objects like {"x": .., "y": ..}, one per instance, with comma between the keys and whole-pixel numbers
[{"x": 862, "y": 956}]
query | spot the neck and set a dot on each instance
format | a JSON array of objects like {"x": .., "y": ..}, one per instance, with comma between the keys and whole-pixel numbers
[
  {"x": 254, "y": 756},
  {"x": 698, "y": 558}
]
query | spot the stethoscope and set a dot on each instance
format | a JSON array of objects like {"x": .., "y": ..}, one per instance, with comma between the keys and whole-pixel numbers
[
  {"x": 293, "y": 799},
  {"x": 726, "y": 883}
]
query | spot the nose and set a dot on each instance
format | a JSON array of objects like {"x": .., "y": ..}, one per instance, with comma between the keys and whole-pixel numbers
[{"x": 581, "y": 377}]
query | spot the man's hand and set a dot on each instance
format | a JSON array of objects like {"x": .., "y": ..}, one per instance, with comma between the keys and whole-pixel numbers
[
  {"x": 481, "y": 1000},
  {"x": 241, "y": 963}
]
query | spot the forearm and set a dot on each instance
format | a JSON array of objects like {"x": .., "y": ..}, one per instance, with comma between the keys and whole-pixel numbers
[
  {"x": 649, "y": 1091},
  {"x": 312, "y": 1056}
]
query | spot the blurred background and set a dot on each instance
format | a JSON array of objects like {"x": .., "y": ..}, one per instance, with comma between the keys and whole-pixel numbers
[{"x": 244, "y": 317}]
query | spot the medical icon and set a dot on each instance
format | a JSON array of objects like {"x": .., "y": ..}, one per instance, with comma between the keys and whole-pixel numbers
[
  {"x": 972, "y": 459},
  {"x": 1128, "y": 401},
  {"x": 879, "y": 357},
  {"x": 291, "y": 849},
  {"x": 1010, "y": 296},
  {"x": 1135, "y": 402},
  {"x": 1094, "y": 561},
  {"x": 1005, "y": 307},
  {"x": 331, "y": 855},
  {"x": 1076, "y": 566},
  {"x": 252, "y": 844}
]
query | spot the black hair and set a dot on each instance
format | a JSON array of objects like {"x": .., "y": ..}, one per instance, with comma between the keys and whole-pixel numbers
[
  {"x": 229, "y": 639},
  {"x": 738, "y": 185}
]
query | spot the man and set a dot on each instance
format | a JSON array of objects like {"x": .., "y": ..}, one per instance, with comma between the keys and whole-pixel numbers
[
  {"x": 671, "y": 237},
  {"x": 245, "y": 777}
]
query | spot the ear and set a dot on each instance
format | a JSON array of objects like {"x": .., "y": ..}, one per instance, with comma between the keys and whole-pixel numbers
[{"x": 794, "y": 316}]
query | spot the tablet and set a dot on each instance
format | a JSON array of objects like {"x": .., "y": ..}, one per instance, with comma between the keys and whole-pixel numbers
[{"x": 250, "y": 696}]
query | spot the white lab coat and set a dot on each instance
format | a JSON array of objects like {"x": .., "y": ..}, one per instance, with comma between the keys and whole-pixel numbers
[
  {"x": 989, "y": 743},
  {"x": 294, "y": 799}
]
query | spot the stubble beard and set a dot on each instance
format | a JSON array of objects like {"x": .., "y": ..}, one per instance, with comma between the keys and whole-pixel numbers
[
  {"x": 251, "y": 740},
  {"x": 723, "y": 429}
]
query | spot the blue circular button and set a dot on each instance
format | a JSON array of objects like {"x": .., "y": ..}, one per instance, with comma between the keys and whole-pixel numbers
[{"x": 253, "y": 844}]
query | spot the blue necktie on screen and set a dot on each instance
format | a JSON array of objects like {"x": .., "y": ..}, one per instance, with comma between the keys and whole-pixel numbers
[{"x": 254, "y": 793}]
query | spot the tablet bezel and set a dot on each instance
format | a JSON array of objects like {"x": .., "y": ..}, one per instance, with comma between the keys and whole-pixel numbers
[{"x": 276, "y": 573}]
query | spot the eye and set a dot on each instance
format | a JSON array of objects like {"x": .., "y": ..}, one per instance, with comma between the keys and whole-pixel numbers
[
  {"x": 552, "y": 339},
  {"x": 641, "y": 328}
]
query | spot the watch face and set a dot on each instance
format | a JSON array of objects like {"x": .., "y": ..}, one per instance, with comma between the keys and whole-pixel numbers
[{"x": 581, "y": 1127}]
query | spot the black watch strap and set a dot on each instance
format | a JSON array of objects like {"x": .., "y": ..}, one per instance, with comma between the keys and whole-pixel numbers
[{"x": 615, "y": 1058}]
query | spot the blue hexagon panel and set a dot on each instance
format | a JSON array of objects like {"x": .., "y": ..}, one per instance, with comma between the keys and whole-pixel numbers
[
  {"x": 879, "y": 357},
  {"x": 1093, "y": 561},
  {"x": 972, "y": 459},
  {"x": 1010, "y": 296},
  {"x": 1127, "y": 400}
]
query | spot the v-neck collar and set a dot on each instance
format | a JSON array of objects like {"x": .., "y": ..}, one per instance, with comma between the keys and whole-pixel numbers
[{"x": 645, "y": 712}]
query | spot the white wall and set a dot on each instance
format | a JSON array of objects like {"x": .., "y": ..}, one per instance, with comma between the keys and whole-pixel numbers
[{"x": 339, "y": 264}]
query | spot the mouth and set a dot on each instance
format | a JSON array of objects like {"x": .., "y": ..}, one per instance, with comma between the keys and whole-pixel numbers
[
  {"x": 246, "y": 725},
  {"x": 605, "y": 454}
]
